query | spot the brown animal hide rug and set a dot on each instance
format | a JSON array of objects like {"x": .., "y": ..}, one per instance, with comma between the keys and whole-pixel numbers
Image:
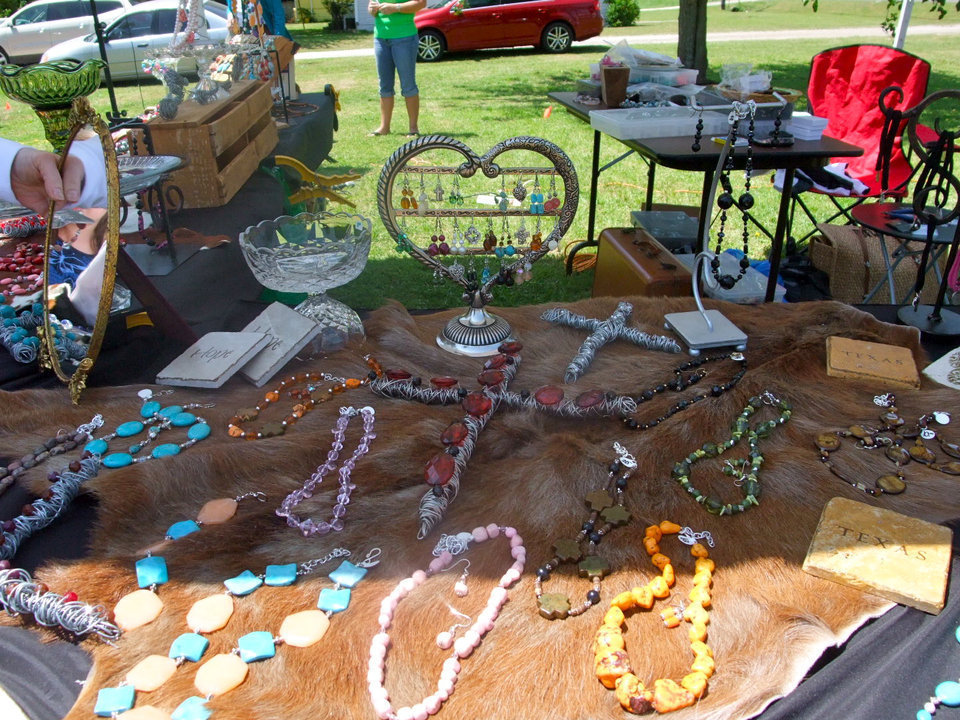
[{"x": 769, "y": 620}]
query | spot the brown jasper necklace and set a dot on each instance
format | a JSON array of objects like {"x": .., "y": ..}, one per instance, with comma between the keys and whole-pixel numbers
[
  {"x": 607, "y": 511},
  {"x": 890, "y": 437}
]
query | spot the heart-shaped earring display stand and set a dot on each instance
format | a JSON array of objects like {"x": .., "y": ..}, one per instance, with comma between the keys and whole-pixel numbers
[{"x": 416, "y": 196}]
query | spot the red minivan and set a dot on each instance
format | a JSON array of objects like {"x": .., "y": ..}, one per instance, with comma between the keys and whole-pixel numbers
[{"x": 475, "y": 24}]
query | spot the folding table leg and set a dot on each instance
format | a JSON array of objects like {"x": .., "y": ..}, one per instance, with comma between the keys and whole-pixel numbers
[
  {"x": 592, "y": 205},
  {"x": 776, "y": 248}
]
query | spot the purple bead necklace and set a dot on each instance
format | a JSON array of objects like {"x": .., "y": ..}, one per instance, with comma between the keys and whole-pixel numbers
[{"x": 309, "y": 527}]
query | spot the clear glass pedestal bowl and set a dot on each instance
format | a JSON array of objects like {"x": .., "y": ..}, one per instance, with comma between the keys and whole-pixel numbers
[{"x": 312, "y": 253}]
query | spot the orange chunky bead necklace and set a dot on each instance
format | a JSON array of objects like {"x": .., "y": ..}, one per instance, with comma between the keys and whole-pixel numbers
[
  {"x": 611, "y": 662},
  {"x": 306, "y": 399}
]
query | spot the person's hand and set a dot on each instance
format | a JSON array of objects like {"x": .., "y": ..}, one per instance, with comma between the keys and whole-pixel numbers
[
  {"x": 36, "y": 181},
  {"x": 373, "y": 7}
]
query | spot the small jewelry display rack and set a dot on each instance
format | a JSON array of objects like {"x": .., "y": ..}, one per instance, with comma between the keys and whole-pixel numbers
[{"x": 473, "y": 232}]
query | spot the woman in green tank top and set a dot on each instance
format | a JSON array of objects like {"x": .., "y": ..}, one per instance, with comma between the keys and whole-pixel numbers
[{"x": 395, "y": 45}]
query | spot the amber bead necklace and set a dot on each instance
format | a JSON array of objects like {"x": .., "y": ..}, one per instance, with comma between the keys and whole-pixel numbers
[
  {"x": 607, "y": 511},
  {"x": 611, "y": 662},
  {"x": 306, "y": 399}
]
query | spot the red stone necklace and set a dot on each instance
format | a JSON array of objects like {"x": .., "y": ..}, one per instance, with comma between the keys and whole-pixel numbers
[
  {"x": 26, "y": 268},
  {"x": 443, "y": 471}
]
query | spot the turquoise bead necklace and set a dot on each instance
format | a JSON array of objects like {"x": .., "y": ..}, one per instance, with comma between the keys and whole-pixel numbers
[
  {"x": 156, "y": 419},
  {"x": 209, "y": 615},
  {"x": 946, "y": 693}
]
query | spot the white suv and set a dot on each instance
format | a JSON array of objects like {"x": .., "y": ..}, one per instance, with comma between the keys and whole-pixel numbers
[{"x": 27, "y": 33}]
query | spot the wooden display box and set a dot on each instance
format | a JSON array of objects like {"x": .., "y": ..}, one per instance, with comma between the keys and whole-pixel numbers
[
  {"x": 630, "y": 261},
  {"x": 222, "y": 143}
]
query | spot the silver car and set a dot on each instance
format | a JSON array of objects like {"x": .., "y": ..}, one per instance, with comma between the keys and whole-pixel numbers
[
  {"x": 140, "y": 33},
  {"x": 28, "y": 32}
]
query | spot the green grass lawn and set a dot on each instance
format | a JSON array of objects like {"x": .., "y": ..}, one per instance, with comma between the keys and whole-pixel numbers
[{"x": 483, "y": 97}]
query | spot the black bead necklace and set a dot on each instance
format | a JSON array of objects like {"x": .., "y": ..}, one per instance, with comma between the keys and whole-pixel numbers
[
  {"x": 725, "y": 200},
  {"x": 681, "y": 382},
  {"x": 607, "y": 511}
]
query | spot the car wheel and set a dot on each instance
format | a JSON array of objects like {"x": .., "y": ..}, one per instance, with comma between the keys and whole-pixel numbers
[
  {"x": 557, "y": 37},
  {"x": 432, "y": 46},
  {"x": 4, "y": 59}
]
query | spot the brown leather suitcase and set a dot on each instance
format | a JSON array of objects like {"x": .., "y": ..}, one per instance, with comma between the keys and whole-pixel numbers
[{"x": 631, "y": 262}]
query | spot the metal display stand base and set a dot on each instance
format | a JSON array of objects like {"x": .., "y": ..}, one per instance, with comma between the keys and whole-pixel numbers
[
  {"x": 947, "y": 324},
  {"x": 476, "y": 333},
  {"x": 155, "y": 262},
  {"x": 695, "y": 330}
]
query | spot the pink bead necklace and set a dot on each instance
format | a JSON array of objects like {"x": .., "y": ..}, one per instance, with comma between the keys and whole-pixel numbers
[{"x": 447, "y": 548}]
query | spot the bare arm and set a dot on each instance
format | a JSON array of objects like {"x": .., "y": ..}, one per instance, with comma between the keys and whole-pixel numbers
[{"x": 408, "y": 6}]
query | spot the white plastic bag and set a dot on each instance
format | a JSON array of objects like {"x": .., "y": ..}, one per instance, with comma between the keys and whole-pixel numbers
[{"x": 623, "y": 54}]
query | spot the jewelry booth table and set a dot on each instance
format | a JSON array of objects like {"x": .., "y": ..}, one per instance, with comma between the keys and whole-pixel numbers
[{"x": 676, "y": 153}]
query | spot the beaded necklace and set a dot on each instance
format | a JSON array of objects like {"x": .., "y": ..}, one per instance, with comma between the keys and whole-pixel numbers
[
  {"x": 680, "y": 383},
  {"x": 143, "y": 606},
  {"x": 26, "y": 268},
  {"x": 946, "y": 693},
  {"x": 60, "y": 443},
  {"x": 306, "y": 400},
  {"x": 48, "y": 507},
  {"x": 611, "y": 662},
  {"x": 747, "y": 470},
  {"x": 224, "y": 672},
  {"x": 20, "y": 595},
  {"x": 213, "y": 512},
  {"x": 309, "y": 527},
  {"x": 890, "y": 437},
  {"x": 606, "y": 504},
  {"x": 444, "y": 552},
  {"x": 157, "y": 419},
  {"x": 725, "y": 200}
]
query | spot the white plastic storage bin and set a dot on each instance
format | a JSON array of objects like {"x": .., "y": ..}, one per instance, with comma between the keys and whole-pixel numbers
[
  {"x": 673, "y": 77},
  {"x": 751, "y": 289},
  {"x": 642, "y": 123},
  {"x": 805, "y": 126}
]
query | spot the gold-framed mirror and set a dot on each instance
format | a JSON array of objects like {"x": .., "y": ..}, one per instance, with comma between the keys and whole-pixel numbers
[{"x": 101, "y": 237}]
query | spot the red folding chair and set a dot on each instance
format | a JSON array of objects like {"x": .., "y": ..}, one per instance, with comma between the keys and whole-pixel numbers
[{"x": 844, "y": 87}]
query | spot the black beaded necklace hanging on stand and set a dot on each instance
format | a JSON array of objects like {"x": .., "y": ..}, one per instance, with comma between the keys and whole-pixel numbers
[{"x": 725, "y": 200}]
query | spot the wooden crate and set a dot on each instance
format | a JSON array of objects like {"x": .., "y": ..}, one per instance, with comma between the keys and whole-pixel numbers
[{"x": 222, "y": 143}]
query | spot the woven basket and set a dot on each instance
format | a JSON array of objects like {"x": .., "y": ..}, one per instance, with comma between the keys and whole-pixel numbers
[
  {"x": 761, "y": 97},
  {"x": 854, "y": 261}
]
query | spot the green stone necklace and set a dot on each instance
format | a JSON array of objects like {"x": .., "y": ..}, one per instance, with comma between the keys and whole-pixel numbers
[{"x": 746, "y": 470}]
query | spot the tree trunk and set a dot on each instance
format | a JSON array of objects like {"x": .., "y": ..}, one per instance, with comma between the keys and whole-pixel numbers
[{"x": 692, "y": 31}]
